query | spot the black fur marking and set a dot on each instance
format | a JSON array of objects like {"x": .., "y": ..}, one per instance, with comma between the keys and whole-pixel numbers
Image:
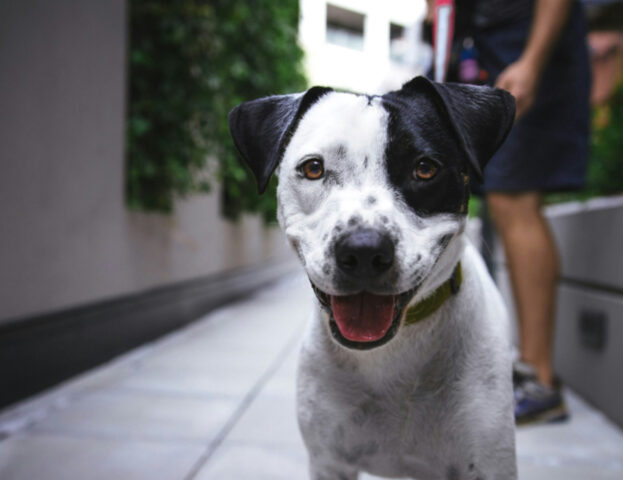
[
  {"x": 491, "y": 381},
  {"x": 366, "y": 161},
  {"x": 411, "y": 138},
  {"x": 370, "y": 200},
  {"x": 297, "y": 249},
  {"x": 459, "y": 127},
  {"x": 354, "y": 220},
  {"x": 366, "y": 411},
  {"x": 480, "y": 118},
  {"x": 453, "y": 473},
  {"x": 355, "y": 454},
  {"x": 262, "y": 129},
  {"x": 444, "y": 241},
  {"x": 340, "y": 152},
  {"x": 331, "y": 177}
]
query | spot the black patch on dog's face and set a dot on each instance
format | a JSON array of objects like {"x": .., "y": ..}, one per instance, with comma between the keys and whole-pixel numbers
[{"x": 422, "y": 133}]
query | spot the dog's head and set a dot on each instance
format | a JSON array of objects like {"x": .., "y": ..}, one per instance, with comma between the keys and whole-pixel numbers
[{"x": 373, "y": 190}]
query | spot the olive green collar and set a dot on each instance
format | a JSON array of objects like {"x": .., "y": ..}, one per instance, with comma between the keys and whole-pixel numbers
[{"x": 431, "y": 304}]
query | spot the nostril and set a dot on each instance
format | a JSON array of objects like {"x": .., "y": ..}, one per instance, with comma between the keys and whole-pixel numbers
[
  {"x": 348, "y": 262},
  {"x": 382, "y": 262}
]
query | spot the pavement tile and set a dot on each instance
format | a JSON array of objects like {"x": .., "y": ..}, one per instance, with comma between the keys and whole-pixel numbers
[
  {"x": 587, "y": 439},
  {"x": 56, "y": 457},
  {"x": 563, "y": 472},
  {"x": 209, "y": 380},
  {"x": 141, "y": 416},
  {"x": 270, "y": 420},
  {"x": 256, "y": 462}
]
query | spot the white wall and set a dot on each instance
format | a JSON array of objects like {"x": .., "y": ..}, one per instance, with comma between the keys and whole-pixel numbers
[
  {"x": 369, "y": 70},
  {"x": 66, "y": 237}
]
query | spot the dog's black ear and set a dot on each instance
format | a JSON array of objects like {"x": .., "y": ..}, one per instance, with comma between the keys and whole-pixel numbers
[
  {"x": 262, "y": 129},
  {"x": 481, "y": 117}
]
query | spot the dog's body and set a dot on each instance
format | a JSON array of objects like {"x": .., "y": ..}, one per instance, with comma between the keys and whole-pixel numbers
[
  {"x": 372, "y": 195},
  {"x": 434, "y": 403}
]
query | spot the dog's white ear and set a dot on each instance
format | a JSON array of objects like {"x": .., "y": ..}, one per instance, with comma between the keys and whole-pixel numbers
[
  {"x": 262, "y": 129},
  {"x": 481, "y": 117}
]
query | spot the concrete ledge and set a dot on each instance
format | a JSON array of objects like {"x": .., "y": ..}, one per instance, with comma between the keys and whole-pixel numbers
[
  {"x": 40, "y": 351},
  {"x": 589, "y": 320},
  {"x": 588, "y": 346}
]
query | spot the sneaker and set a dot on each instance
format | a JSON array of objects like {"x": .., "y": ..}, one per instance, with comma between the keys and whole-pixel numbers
[
  {"x": 535, "y": 402},
  {"x": 521, "y": 372}
]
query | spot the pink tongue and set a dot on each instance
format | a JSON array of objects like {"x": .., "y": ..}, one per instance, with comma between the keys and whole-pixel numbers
[{"x": 364, "y": 317}]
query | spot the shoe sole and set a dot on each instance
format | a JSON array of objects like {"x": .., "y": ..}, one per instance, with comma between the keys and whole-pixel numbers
[{"x": 554, "y": 415}]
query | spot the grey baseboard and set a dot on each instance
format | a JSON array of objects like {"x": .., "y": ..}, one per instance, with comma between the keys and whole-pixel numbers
[{"x": 40, "y": 351}]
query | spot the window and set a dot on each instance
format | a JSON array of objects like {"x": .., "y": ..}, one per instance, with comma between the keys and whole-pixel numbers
[
  {"x": 344, "y": 27},
  {"x": 397, "y": 43}
]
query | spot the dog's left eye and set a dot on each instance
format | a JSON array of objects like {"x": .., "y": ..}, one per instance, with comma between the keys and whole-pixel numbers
[
  {"x": 312, "y": 169},
  {"x": 424, "y": 169}
]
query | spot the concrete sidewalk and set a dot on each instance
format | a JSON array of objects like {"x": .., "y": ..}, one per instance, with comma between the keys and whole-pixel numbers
[{"x": 215, "y": 401}]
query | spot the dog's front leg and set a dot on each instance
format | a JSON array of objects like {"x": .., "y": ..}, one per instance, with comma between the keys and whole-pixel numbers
[{"x": 319, "y": 471}]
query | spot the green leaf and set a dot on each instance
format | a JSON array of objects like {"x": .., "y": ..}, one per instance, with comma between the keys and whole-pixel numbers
[{"x": 191, "y": 61}]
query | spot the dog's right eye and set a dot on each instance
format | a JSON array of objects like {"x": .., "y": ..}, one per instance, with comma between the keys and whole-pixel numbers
[
  {"x": 425, "y": 169},
  {"x": 312, "y": 169}
]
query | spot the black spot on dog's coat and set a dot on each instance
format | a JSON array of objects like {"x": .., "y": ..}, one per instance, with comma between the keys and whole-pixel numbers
[
  {"x": 331, "y": 177},
  {"x": 354, "y": 220},
  {"x": 444, "y": 241},
  {"x": 453, "y": 473},
  {"x": 411, "y": 139}
]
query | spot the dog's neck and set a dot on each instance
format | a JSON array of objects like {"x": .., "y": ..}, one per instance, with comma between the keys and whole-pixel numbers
[{"x": 432, "y": 303}]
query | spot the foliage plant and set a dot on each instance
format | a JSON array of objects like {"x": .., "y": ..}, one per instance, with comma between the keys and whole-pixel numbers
[
  {"x": 605, "y": 168},
  {"x": 190, "y": 62}
]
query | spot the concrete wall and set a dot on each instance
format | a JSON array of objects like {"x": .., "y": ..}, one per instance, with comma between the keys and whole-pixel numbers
[{"x": 66, "y": 237}]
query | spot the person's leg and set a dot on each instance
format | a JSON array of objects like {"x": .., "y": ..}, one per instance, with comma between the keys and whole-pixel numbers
[{"x": 532, "y": 259}]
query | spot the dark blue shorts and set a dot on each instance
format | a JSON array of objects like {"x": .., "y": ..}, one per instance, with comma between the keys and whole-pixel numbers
[{"x": 547, "y": 149}]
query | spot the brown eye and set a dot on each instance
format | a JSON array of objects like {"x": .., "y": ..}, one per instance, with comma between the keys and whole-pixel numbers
[
  {"x": 424, "y": 170},
  {"x": 313, "y": 169}
]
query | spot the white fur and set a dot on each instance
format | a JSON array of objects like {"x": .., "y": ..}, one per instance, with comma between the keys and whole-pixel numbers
[{"x": 435, "y": 402}]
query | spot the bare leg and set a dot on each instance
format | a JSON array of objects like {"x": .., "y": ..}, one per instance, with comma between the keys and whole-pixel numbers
[{"x": 533, "y": 265}]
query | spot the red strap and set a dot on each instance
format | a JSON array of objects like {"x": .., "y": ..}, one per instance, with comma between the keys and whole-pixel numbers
[{"x": 443, "y": 30}]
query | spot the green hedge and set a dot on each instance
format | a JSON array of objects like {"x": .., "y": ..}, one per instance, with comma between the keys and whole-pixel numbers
[
  {"x": 190, "y": 62},
  {"x": 605, "y": 167}
]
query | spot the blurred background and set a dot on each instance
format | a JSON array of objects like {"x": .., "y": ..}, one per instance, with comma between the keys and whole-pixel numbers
[{"x": 125, "y": 213}]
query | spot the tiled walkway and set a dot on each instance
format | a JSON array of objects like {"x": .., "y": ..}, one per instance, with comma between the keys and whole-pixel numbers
[{"x": 215, "y": 401}]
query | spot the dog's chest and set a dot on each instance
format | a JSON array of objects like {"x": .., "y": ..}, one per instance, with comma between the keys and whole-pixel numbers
[{"x": 394, "y": 429}]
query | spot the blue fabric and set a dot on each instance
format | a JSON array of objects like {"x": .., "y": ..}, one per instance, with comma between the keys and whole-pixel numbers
[{"x": 547, "y": 149}]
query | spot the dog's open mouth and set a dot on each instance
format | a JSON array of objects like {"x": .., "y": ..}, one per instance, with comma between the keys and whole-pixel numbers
[{"x": 364, "y": 320}]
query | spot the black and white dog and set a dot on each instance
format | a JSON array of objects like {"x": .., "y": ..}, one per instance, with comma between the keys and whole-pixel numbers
[{"x": 405, "y": 368}]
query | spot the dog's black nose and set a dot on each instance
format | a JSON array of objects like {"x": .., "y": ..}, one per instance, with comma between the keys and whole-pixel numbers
[{"x": 364, "y": 253}]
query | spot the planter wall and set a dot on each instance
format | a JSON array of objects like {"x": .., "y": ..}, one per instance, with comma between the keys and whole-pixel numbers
[{"x": 589, "y": 328}]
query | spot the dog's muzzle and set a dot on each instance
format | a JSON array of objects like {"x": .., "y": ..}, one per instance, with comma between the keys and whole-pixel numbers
[{"x": 364, "y": 259}]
